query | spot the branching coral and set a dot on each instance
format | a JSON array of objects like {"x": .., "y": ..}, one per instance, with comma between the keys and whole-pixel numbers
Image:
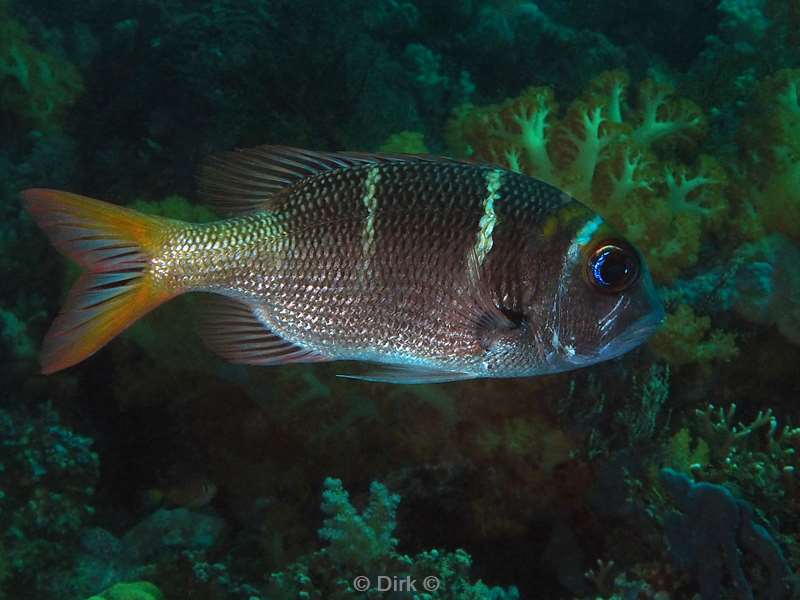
[
  {"x": 622, "y": 162},
  {"x": 758, "y": 458},
  {"x": 719, "y": 431},
  {"x": 685, "y": 454},
  {"x": 610, "y": 584},
  {"x": 653, "y": 393},
  {"x": 362, "y": 554},
  {"x": 358, "y": 539}
]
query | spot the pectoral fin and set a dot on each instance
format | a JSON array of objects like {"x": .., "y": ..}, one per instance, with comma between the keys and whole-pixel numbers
[{"x": 481, "y": 313}]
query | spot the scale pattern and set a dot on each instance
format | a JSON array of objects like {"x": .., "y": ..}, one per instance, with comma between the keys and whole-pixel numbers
[{"x": 371, "y": 261}]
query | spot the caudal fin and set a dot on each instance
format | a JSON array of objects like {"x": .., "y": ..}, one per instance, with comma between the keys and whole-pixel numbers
[{"x": 114, "y": 245}]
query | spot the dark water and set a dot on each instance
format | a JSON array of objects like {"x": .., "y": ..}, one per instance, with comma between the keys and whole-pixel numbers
[{"x": 668, "y": 473}]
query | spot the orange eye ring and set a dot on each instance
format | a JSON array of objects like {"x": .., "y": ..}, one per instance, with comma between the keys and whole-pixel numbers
[{"x": 613, "y": 267}]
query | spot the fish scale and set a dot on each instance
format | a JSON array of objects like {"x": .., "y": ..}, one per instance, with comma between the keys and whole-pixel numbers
[{"x": 427, "y": 219}]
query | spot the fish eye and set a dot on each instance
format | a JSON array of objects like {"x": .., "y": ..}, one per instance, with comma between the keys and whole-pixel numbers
[{"x": 613, "y": 267}]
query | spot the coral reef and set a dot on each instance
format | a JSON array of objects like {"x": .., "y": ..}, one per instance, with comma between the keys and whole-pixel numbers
[
  {"x": 758, "y": 458},
  {"x": 361, "y": 557},
  {"x": 166, "y": 531},
  {"x": 678, "y": 121},
  {"x": 686, "y": 338},
  {"x": 704, "y": 538},
  {"x": 770, "y": 142},
  {"x": 52, "y": 472},
  {"x": 755, "y": 460},
  {"x": 759, "y": 283},
  {"x": 407, "y": 142},
  {"x": 625, "y": 163}
]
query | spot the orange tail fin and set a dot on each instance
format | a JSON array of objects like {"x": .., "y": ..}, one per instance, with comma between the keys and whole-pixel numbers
[{"x": 114, "y": 245}]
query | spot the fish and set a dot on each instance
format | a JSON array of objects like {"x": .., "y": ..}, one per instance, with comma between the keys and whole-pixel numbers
[
  {"x": 430, "y": 269},
  {"x": 189, "y": 492}
]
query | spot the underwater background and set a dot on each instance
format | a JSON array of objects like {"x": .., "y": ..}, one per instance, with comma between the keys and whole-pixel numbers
[{"x": 154, "y": 470}]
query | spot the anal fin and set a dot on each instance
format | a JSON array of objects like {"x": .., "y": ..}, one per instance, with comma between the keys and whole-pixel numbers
[{"x": 232, "y": 329}]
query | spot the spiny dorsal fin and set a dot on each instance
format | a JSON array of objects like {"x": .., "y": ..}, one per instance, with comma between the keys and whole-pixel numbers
[
  {"x": 242, "y": 181},
  {"x": 245, "y": 180},
  {"x": 233, "y": 330}
]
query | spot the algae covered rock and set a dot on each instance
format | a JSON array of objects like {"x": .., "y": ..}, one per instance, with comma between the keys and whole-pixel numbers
[{"x": 169, "y": 530}]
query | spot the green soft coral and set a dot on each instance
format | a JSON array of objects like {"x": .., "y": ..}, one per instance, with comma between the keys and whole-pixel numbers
[
  {"x": 686, "y": 338},
  {"x": 361, "y": 545},
  {"x": 35, "y": 86},
  {"x": 358, "y": 539},
  {"x": 662, "y": 116},
  {"x": 626, "y": 163},
  {"x": 683, "y": 453},
  {"x": 405, "y": 142},
  {"x": 138, "y": 590}
]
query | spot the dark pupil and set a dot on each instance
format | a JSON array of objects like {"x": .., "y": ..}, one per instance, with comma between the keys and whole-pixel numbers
[{"x": 612, "y": 267}]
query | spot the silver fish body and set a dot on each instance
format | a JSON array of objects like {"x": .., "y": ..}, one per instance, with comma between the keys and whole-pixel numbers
[
  {"x": 435, "y": 269},
  {"x": 445, "y": 270}
]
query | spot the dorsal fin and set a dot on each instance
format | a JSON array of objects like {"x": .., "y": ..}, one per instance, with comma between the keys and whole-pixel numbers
[
  {"x": 233, "y": 330},
  {"x": 242, "y": 181}
]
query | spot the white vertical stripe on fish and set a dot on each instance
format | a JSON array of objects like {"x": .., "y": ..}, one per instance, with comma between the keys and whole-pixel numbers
[
  {"x": 583, "y": 237},
  {"x": 370, "y": 201},
  {"x": 488, "y": 221}
]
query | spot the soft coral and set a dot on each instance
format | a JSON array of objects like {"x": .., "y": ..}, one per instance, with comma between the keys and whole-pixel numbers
[
  {"x": 663, "y": 116},
  {"x": 531, "y": 117},
  {"x": 622, "y": 162}
]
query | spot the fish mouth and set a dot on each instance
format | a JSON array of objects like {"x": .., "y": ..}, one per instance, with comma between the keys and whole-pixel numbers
[{"x": 634, "y": 335}]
